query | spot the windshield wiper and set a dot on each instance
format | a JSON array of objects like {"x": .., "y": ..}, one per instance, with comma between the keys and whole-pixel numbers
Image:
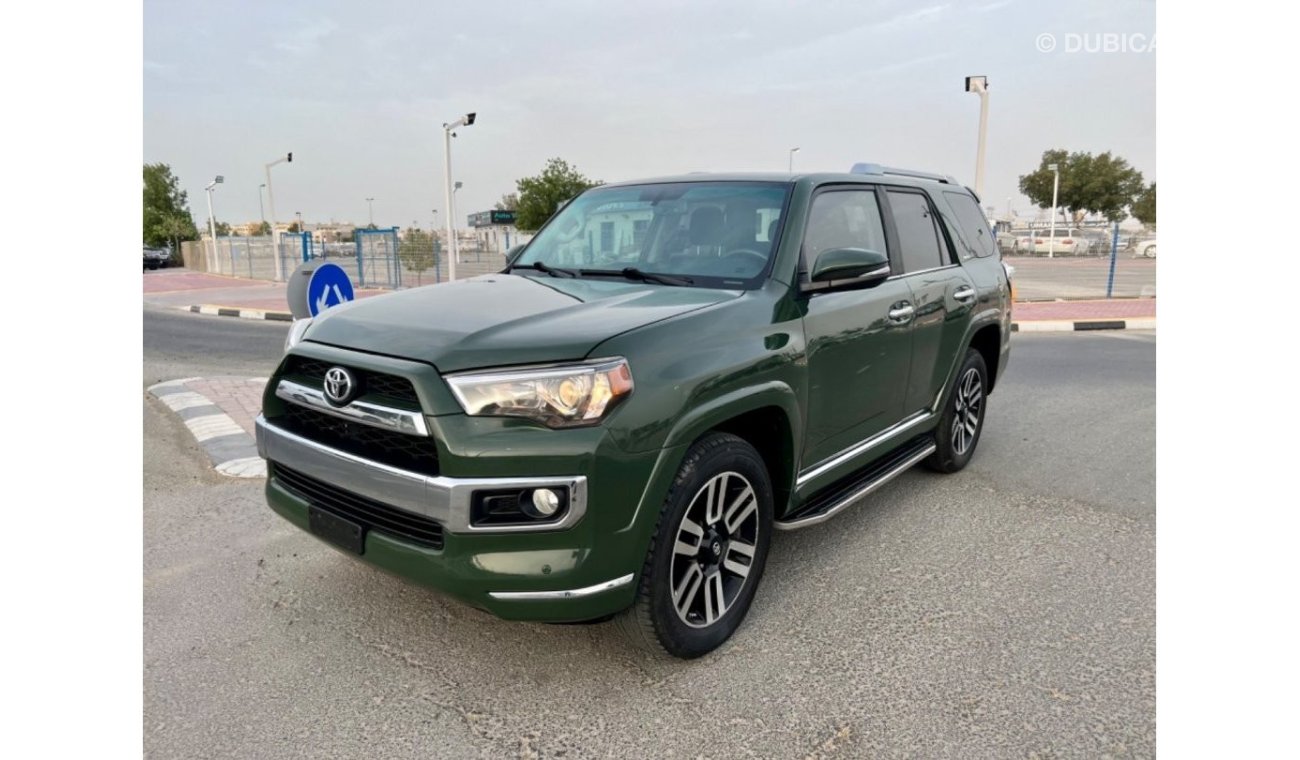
[
  {"x": 545, "y": 268},
  {"x": 632, "y": 273}
]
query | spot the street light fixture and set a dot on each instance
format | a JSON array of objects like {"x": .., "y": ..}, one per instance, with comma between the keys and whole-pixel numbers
[
  {"x": 371, "y": 201},
  {"x": 447, "y": 134},
  {"x": 270, "y": 196},
  {"x": 980, "y": 86},
  {"x": 212, "y": 222},
  {"x": 1056, "y": 185}
]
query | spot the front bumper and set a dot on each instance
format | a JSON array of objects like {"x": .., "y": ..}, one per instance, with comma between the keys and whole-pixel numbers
[
  {"x": 442, "y": 499},
  {"x": 578, "y": 568}
]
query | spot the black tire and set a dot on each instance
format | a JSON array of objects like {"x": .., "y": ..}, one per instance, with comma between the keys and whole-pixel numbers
[
  {"x": 653, "y": 622},
  {"x": 152, "y": 265},
  {"x": 955, "y": 447}
]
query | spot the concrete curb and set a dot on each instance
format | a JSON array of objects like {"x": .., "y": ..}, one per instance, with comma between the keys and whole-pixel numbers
[
  {"x": 1083, "y": 325},
  {"x": 232, "y": 450},
  {"x": 232, "y": 311}
]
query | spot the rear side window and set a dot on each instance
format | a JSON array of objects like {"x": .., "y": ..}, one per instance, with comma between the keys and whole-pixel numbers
[
  {"x": 974, "y": 227},
  {"x": 918, "y": 237}
]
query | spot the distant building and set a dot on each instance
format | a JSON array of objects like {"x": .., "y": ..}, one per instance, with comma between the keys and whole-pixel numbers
[{"x": 494, "y": 231}]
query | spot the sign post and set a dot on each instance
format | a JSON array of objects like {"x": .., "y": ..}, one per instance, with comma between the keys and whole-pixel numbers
[{"x": 1114, "y": 252}]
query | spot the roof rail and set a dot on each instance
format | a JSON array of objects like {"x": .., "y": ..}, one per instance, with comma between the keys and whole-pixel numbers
[{"x": 863, "y": 168}]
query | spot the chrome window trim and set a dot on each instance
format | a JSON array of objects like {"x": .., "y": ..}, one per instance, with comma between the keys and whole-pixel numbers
[
  {"x": 374, "y": 415},
  {"x": 576, "y": 593},
  {"x": 440, "y": 498},
  {"x": 857, "y": 449},
  {"x": 901, "y": 275}
]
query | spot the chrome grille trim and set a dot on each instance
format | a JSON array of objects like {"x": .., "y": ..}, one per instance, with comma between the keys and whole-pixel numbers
[{"x": 375, "y": 415}]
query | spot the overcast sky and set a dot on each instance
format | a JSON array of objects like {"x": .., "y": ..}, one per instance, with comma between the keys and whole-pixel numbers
[{"x": 359, "y": 91}]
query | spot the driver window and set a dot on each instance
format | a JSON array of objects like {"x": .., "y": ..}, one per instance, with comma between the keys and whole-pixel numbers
[{"x": 843, "y": 219}]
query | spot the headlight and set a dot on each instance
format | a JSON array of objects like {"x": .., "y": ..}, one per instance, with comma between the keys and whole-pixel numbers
[
  {"x": 567, "y": 396},
  {"x": 296, "y": 331}
]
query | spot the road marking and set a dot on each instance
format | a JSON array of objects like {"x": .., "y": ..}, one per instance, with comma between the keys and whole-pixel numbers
[
  {"x": 212, "y": 426},
  {"x": 246, "y": 467},
  {"x": 184, "y": 400}
]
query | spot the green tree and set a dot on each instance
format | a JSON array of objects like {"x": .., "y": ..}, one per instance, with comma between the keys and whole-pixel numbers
[
  {"x": 417, "y": 253},
  {"x": 167, "y": 216},
  {"x": 223, "y": 229},
  {"x": 1144, "y": 208},
  {"x": 293, "y": 227},
  {"x": 1102, "y": 184},
  {"x": 262, "y": 229},
  {"x": 508, "y": 202},
  {"x": 540, "y": 196}
]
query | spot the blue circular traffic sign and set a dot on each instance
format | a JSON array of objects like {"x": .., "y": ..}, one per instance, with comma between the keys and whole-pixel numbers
[{"x": 329, "y": 286}]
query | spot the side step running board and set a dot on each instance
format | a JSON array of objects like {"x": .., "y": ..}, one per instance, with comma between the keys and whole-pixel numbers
[{"x": 822, "y": 508}]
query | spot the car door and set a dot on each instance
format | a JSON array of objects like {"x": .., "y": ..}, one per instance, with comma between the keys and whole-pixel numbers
[
  {"x": 942, "y": 294},
  {"x": 859, "y": 349}
]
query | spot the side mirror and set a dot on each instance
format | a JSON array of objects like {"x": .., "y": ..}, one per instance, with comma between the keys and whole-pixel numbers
[
  {"x": 844, "y": 266},
  {"x": 514, "y": 252}
]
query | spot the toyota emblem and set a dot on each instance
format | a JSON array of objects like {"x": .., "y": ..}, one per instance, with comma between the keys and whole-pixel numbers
[{"x": 339, "y": 386}]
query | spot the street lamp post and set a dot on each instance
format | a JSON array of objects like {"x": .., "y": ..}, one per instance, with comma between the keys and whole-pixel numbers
[
  {"x": 371, "y": 201},
  {"x": 270, "y": 197},
  {"x": 980, "y": 86},
  {"x": 261, "y": 212},
  {"x": 447, "y": 133},
  {"x": 790, "y": 167},
  {"x": 1056, "y": 185},
  {"x": 212, "y": 222},
  {"x": 455, "y": 189}
]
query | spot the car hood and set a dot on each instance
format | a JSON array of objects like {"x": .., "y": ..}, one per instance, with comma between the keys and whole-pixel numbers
[{"x": 503, "y": 319}]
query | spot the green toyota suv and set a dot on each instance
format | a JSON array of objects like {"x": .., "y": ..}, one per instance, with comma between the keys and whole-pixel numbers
[{"x": 670, "y": 371}]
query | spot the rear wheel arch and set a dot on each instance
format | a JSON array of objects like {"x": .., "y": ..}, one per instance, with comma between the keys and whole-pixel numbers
[{"x": 988, "y": 341}]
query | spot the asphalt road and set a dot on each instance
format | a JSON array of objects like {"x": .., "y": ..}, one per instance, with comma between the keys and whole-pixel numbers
[{"x": 1006, "y": 611}]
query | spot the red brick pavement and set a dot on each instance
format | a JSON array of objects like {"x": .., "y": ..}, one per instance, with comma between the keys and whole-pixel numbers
[
  {"x": 239, "y": 397},
  {"x": 165, "y": 280},
  {"x": 1115, "y": 308}
]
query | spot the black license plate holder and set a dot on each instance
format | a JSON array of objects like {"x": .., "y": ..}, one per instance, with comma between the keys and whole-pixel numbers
[{"x": 339, "y": 531}]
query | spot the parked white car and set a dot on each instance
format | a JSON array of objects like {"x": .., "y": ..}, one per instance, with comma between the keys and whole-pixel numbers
[
  {"x": 1146, "y": 249},
  {"x": 1069, "y": 242}
]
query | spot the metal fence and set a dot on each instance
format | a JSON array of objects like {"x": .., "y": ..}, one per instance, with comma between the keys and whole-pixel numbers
[
  {"x": 376, "y": 259},
  {"x": 1095, "y": 265}
]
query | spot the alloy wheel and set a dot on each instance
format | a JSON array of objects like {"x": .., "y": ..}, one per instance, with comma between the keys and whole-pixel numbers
[
  {"x": 714, "y": 549},
  {"x": 969, "y": 401}
]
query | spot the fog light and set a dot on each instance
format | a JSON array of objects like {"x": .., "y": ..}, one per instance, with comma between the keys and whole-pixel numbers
[{"x": 546, "y": 502}]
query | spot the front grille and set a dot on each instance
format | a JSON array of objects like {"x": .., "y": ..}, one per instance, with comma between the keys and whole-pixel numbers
[
  {"x": 416, "y": 453},
  {"x": 390, "y": 387},
  {"x": 370, "y": 514}
]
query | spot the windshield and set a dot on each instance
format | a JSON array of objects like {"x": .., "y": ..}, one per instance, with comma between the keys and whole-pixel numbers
[{"x": 707, "y": 234}]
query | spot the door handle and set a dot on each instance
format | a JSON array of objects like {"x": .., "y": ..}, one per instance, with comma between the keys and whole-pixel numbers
[
  {"x": 902, "y": 313},
  {"x": 965, "y": 294}
]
